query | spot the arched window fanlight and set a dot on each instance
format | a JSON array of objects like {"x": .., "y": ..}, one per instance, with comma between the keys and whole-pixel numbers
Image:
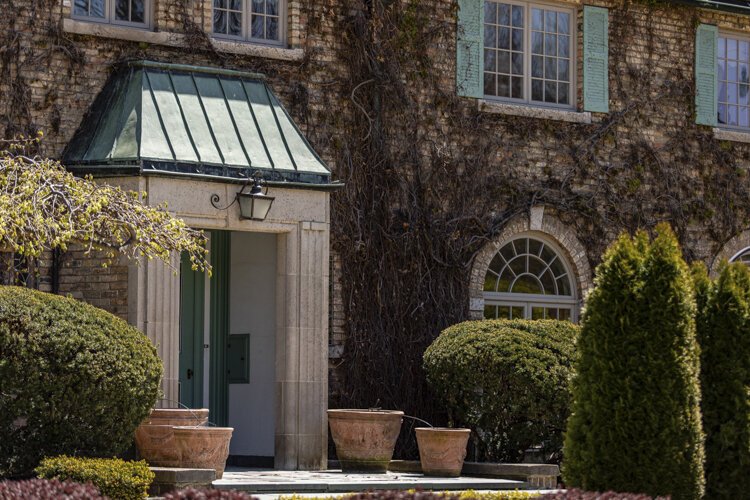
[
  {"x": 743, "y": 256},
  {"x": 528, "y": 278}
]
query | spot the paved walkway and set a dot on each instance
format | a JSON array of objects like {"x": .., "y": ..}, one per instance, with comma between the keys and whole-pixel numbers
[{"x": 336, "y": 481}]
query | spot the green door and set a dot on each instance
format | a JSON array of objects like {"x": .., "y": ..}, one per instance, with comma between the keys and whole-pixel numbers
[{"x": 192, "y": 296}]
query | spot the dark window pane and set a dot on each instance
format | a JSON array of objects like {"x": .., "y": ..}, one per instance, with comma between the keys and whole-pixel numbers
[
  {"x": 121, "y": 10},
  {"x": 537, "y": 313},
  {"x": 743, "y": 73},
  {"x": 537, "y": 19},
  {"x": 536, "y": 266},
  {"x": 744, "y": 54},
  {"x": 743, "y": 95},
  {"x": 517, "y": 313},
  {"x": 563, "y": 67},
  {"x": 563, "y": 89},
  {"x": 721, "y": 70},
  {"x": 731, "y": 49},
  {"x": 564, "y": 315},
  {"x": 490, "y": 312},
  {"x": 516, "y": 87},
  {"x": 220, "y": 4},
  {"x": 503, "y": 62},
  {"x": 537, "y": 43},
  {"x": 517, "y": 16},
  {"x": 490, "y": 12},
  {"x": 732, "y": 115},
  {"x": 537, "y": 90},
  {"x": 235, "y": 24},
  {"x": 503, "y": 284},
  {"x": 503, "y": 38},
  {"x": 489, "y": 84},
  {"x": 272, "y": 7},
  {"x": 138, "y": 11},
  {"x": 563, "y": 46},
  {"x": 503, "y": 312},
  {"x": 518, "y": 265},
  {"x": 551, "y": 313},
  {"x": 732, "y": 71},
  {"x": 732, "y": 93},
  {"x": 517, "y": 40},
  {"x": 259, "y": 6},
  {"x": 490, "y": 36},
  {"x": 563, "y": 22},
  {"x": 257, "y": 27},
  {"x": 548, "y": 282},
  {"x": 220, "y": 21},
  {"x": 272, "y": 28},
  {"x": 503, "y": 86},
  {"x": 490, "y": 63},
  {"x": 743, "y": 119},
  {"x": 550, "y": 92},
  {"x": 550, "y": 45},
  {"x": 550, "y": 22},
  {"x": 81, "y": 8},
  {"x": 235, "y": 5},
  {"x": 508, "y": 252},
  {"x": 550, "y": 68},
  {"x": 722, "y": 113},
  {"x": 96, "y": 8},
  {"x": 517, "y": 63},
  {"x": 537, "y": 66},
  {"x": 527, "y": 284},
  {"x": 503, "y": 14},
  {"x": 563, "y": 286}
]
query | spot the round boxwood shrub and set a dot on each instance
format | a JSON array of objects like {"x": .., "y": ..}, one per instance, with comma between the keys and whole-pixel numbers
[
  {"x": 74, "y": 379},
  {"x": 724, "y": 336},
  {"x": 635, "y": 425},
  {"x": 508, "y": 380}
]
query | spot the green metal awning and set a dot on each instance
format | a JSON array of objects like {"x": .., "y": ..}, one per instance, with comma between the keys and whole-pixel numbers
[{"x": 205, "y": 122}]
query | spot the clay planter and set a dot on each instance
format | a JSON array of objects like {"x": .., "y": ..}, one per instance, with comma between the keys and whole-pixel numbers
[
  {"x": 173, "y": 416},
  {"x": 441, "y": 450},
  {"x": 203, "y": 447},
  {"x": 365, "y": 438}
]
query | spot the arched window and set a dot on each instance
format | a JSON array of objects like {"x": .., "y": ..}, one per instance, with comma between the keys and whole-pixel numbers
[
  {"x": 528, "y": 278},
  {"x": 743, "y": 256}
]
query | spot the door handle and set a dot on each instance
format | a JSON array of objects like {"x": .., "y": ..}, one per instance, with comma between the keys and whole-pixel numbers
[{"x": 189, "y": 374}]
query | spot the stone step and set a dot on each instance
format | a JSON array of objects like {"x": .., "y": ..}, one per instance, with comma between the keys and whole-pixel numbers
[{"x": 336, "y": 481}]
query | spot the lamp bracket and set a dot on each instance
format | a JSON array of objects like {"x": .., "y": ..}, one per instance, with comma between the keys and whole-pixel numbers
[{"x": 215, "y": 199}]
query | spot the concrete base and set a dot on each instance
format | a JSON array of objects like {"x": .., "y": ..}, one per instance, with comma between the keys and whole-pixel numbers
[
  {"x": 335, "y": 481},
  {"x": 169, "y": 479}
]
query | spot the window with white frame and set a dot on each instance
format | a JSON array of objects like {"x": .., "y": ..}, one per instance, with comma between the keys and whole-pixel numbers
[
  {"x": 126, "y": 12},
  {"x": 743, "y": 256},
  {"x": 528, "y": 278},
  {"x": 529, "y": 53},
  {"x": 262, "y": 21},
  {"x": 733, "y": 79}
]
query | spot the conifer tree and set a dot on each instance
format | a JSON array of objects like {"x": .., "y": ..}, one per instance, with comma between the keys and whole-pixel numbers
[{"x": 635, "y": 424}]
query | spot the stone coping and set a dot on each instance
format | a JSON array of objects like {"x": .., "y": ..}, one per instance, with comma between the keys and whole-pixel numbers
[
  {"x": 563, "y": 115},
  {"x": 140, "y": 35},
  {"x": 723, "y": 134}
]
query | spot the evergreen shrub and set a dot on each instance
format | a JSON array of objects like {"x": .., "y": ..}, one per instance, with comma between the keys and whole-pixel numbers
[
  {"x": 508, "y": 380},
  {"x": 635, "y": 425},
  {"x": 46, "y": 489},
  {"x": 74, "y": 380},
  {"x": 724, "y": 336},
  {"x": 115, "y": 478},
  {"x": 207, "y": 494}
]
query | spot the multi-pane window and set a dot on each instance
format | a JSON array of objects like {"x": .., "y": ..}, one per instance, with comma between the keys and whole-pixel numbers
[
  {"x": 255, "y": 20},
  {"x": 733, "y": 68},
  {"x": 129, "y": 12},
  {"x": 528, "y": 53},
  {"x": 528, "y": 279}
]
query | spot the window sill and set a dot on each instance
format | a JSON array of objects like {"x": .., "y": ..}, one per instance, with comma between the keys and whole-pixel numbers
[
  {"x": 731, "y": 135},
  {"x": 177, "y": 40},
  {"x": 562, "y": 115}
]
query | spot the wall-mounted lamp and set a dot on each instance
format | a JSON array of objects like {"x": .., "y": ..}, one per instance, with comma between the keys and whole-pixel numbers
[{"x": 254, "y": 205}]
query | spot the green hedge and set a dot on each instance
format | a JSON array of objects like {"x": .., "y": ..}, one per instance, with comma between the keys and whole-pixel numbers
[
  {"x": 75, "y": 380},
  {"x": 508, "y": 380},
  {"x": 724, "y": 337},
  {"x": 636, "y": 423},
  {"x": 115, "y": 478}
]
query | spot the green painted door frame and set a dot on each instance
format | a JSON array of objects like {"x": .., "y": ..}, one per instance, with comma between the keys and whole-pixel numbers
[
  {"x": 192, "y": 304},
  {"x": 218, "y": 398}
]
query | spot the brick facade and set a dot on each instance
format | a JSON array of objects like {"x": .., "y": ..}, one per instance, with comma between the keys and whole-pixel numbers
[{"x": 50, "y": 73}]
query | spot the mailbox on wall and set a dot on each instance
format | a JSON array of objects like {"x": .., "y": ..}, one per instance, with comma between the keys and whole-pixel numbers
[{"x": 238, "y": 359}]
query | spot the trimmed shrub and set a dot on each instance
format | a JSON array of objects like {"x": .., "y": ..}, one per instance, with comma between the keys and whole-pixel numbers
[
  {"x": 508, "y": 380},
  {"x": 636, "y": 423},
  {"x": 724, "y": 337},
  {"x": 115, "y": 478},
  {"x": 45, "y": 489},
  {"x": 574, "y": 494},
  {"x": 423, "y": 495},
  {"x": 207, "y": 494},
  {"x": 74, "y": 379}
]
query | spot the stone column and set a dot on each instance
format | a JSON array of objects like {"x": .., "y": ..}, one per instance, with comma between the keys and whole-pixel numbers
[
  {"x": 154, "y": 308},
  {"x": 301, "y": 348}
]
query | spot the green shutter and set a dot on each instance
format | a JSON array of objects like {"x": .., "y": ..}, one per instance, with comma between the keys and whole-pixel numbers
[
  {"x": 706, "y": 39},
  {"x": 595, "y": 59},
  {"x": 470, "y": 48}
]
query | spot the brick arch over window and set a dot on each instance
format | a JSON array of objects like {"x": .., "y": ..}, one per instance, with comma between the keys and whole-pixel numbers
[
  {"x": 732, "y": 249},
  {"x": 546, "y": 227}
]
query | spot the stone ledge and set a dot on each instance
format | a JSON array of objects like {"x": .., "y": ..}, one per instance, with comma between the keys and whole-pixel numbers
[
  {"x": 177, "y": 40},
  {"x": 528, "y": 111},
  {"x": 168, "y": 479},
  {"x": 487, "y": 469},
  {"x": 731, "y": 135}
]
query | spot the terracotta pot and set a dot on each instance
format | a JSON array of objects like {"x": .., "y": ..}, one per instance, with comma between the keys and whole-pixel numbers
[
  {"x": 203, "y": 447},
  {"x": 365, "y": 438},
  {"x": 155, "y": 444},
  {"x": 441, "y": 450},
  {"x": 177, "y": 416}
]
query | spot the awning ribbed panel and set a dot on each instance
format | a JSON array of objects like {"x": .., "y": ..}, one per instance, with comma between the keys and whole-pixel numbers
[{"x": 157, "y": 117}]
